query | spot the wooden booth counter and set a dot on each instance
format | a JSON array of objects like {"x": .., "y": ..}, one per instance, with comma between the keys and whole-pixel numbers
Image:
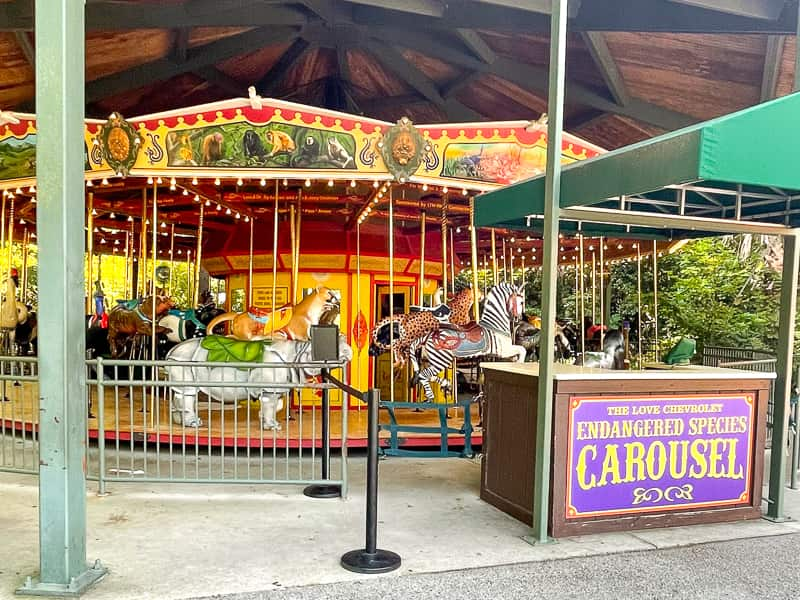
[{"x": 631, "y": 449}]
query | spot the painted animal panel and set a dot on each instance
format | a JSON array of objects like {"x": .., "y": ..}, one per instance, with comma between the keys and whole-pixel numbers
[{"x": 18, "y": 157}]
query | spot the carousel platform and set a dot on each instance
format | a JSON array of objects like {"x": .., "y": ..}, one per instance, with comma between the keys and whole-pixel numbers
[{"x": 137, "y": 417}]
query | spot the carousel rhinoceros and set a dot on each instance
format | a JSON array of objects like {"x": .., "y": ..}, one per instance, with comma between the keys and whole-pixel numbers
[{"x": 184, "y": 398}]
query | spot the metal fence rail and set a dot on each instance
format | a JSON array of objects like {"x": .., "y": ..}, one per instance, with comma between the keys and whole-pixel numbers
[
  {"x": 748, "y": 360},
  {"x": 138, "y": 429}
]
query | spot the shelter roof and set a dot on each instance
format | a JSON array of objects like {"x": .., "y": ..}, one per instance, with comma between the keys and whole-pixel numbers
[
  {"x": 723, "y": 173},
  {"x": 636, "y": 69}
]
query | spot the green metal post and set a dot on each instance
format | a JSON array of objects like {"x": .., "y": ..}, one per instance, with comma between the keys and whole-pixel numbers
[
  {"x": 544, "y": 414},
  {"x": 62, "y": 387},
  {"x": 783, "y": 384}
]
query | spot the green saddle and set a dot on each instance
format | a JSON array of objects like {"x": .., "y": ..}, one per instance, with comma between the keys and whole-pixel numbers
[
  {"x": 225, "y": 349},
  {"x": 129, "y": 304},
  {"x": 682, "y": 352}
]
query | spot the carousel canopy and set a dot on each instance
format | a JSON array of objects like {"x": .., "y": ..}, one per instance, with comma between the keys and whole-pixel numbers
[{"x": 735, "y": 168}]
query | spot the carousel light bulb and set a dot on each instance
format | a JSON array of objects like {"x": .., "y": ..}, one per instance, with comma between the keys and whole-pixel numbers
[
  {"x": 238, "y": 216},
  {"x": 561, "y": 248},
  {"x": 197, "y": 198},
  {"x": 634, "y": 246},
  {"x": 33, "y": 199},
  {"x": 88, "y": 183},
  {"x": 208, "y": 202},
  {"x": 513, "y": 240},
  {"x": 227, "y": 211},
  {"x": 33, "y": 235},
  {"x": 185, "y": 192},
  {"x": 464, "y": 192},
  {"x": 159, "y": 181},
  {"x": 239, "y": 181},
  {"x": 330, "y": 182},
  {"x": 116, "y": 243},
  {"x": 605, "y": 246},
  {"x": 173, "y": 181},
  {"x": 102, "y": 240},
  {"x": 375, "y": 184},
  {"x": 519, "y": 250},
  {"x": 263, "y": 182},
  {"x": 163, "y": 225},
  {"x": 424, "y": 187},
  {"x": 285, "y": 182},
  {"x": 527, "y": 238},
  {"x": 194, "y": 180},
  {"x": 172, "y": 187},
  {"x": 150, "y": 180},
  {"x": 458, "y": 229},
  {"x": 130, "y": 219},
  {"x": 164, "y": 233},
  {"x": 22, "y": 221},
  {"x": 353, "y": 183},
  {"x": 112, "y": 216},
  {"x": 591, "y": 248},
  {"x": 32, "y": 189},
  {"x": 444, "y": 190},
  {"x": 380, "y": 194},
  {"x": 308, "y": 183},
  {"x": 180, "y": 251},
  {"x": 94, "y": 212},
  {"x": 147, "y": 221},
  {"x": 619, "y": 246},
  {"x": 219, "y": 207},
  {"x": 376, "y": 200},
  {"x": 216, "y": 181}
]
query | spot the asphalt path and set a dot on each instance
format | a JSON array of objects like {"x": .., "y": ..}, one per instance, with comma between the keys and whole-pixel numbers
[{"x": 763, "y": 568}]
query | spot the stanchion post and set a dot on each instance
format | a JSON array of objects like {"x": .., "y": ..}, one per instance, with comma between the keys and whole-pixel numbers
[
  {"x": 796, "y": 433},
  {"x": 370, "y": 560},
  {"x": 325, "y": 490}
]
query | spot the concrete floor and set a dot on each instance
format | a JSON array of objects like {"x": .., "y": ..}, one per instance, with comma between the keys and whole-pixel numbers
[{"x": 184, "y": 541}]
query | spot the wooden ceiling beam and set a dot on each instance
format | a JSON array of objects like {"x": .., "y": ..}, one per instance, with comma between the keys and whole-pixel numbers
[
  {"x": 535, "y": 6},
  {"x": 113, "y": 15},
  {"x": 596, "y": 43},
  {"x": 428, "y": 8},
  {"x": 270, "y": 82},
  {"x": 223, "y": 81},
  {"x": 756, "y": 9},
  {"x": 583, "y": 119},
  {"x": 772, "y": 67},
  {"x": 477, "y": 45},
  {"x": 409, "y": 73},
  {"x": 203, "y": 56},
  {"x": 180, "y": 45},
  {"x": 26, "y": 46}
]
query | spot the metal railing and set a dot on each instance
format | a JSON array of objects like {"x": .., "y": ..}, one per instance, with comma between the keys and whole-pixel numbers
[{"x": 148, "y": 423}]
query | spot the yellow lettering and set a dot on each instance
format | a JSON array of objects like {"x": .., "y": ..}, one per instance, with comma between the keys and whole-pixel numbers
[
  {"x": 581, "y": 467},
  {"x": 732, "y": 473},
  {"x": 676, "y": 471},
  {"x": 714, "y": 456},
  {"x": 610, "y": 466},
  {"x": 634, "y": 457},
  {"x": 699, "y": 469},
  {"x": 656, "y": 465}
]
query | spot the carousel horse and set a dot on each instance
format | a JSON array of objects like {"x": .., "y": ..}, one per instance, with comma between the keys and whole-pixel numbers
[
  {"x": 188, "y": 323},
  {"x": 12, "y": 312},
  {"x": 256, "y": 323},
  {"x": 612, "y": 355},
  {"x": 184, "y": 399},
  {"x": 528, "y": 336},
  {"x": 398, "y": 332},
  {"x": 491, "y": 336},
  {"x": 128, "y": 319},
  {"x": 26, "y": 335}
]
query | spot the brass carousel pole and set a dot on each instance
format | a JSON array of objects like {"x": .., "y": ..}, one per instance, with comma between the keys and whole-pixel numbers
[
  {"x": 198, "y": 254},
  {"x": 602, "y": 294},
  {"x": 391, "y": 283},
  {"x": 444, "y": 245},
  {"x": 154, "y": 250},
  {"x": 655, "y": 298},
  {"x": 473, "y": 237},
  {"x": 582, "y": 277},
  {"x": 505, "y": 264},
  {"x": 142, "y": 283},
  {"x": 577, "y": 289},
  {"x": 639, "y": 296},
  {"x": 297, "y": 222},
  {"x": 89, "y": 253},
  {"x": 189, "y": 288},
  {"x": 452, "y": 264},
  {"x": 171, "y": 257},
  {"x": 274, "y": 256},
  {"x": 293, "y": 244},
  {"x": 250, "y": 268},
  {"x": 594, "y": 288},
  {"x": 421, "y": 286},
  {"x": 24, "y": 278},
  {"x": 494, "y": 258},
  {"x": 125, "y": 291}
]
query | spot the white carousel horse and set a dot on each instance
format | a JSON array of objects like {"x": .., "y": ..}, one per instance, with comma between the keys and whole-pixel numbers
[{"x": 184, "y": 399}]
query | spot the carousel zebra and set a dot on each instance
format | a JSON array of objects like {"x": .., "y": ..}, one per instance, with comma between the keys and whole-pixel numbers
[{"x": 491, "y": 336}]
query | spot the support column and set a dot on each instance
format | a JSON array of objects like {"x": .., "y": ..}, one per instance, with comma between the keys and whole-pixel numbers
[
  {"x": 783, "y": 384},
  {"x": 544, "y": 413},
  {"x": 62, "y": 387}
]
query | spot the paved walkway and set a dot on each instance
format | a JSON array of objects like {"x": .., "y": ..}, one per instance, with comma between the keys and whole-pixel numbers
[{"x": 183, "y": 541}]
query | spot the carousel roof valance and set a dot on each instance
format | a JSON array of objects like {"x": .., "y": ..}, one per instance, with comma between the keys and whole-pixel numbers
[
  {"x": 738, "y": 168},
  {"x": 271, "y": 139}
]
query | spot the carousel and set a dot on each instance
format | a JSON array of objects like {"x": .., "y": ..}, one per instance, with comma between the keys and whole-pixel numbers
[{"x": 256, "y": 218}]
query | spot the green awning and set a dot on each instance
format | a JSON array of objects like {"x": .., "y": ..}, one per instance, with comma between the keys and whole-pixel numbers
[{"x": 752, "y": 151}]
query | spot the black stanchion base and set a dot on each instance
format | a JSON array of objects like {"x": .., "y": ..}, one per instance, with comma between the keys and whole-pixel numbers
[
  {"x": 361, "y": 561},
  {"x": 323, "y": 490}
]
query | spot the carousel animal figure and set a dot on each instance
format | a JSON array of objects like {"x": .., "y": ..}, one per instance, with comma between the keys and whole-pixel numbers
[
  {"x": 398, "y": 332},
  {"x": 612, "y": 355},
  {"x": 184, "y": 399},
  {"x": 528, "y": 336},
  {"x": 184, "y": 324},
  {"x": 26, "y": 335},
  {"x": 254, "y": 324},
  {"x": 491, "y": 336},
  {"x": 12, "y": 312},
  {"x": 128, "y": 319}
]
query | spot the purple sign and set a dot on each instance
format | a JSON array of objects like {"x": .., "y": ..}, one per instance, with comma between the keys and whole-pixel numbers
[{"x": 657, "y": 453}]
